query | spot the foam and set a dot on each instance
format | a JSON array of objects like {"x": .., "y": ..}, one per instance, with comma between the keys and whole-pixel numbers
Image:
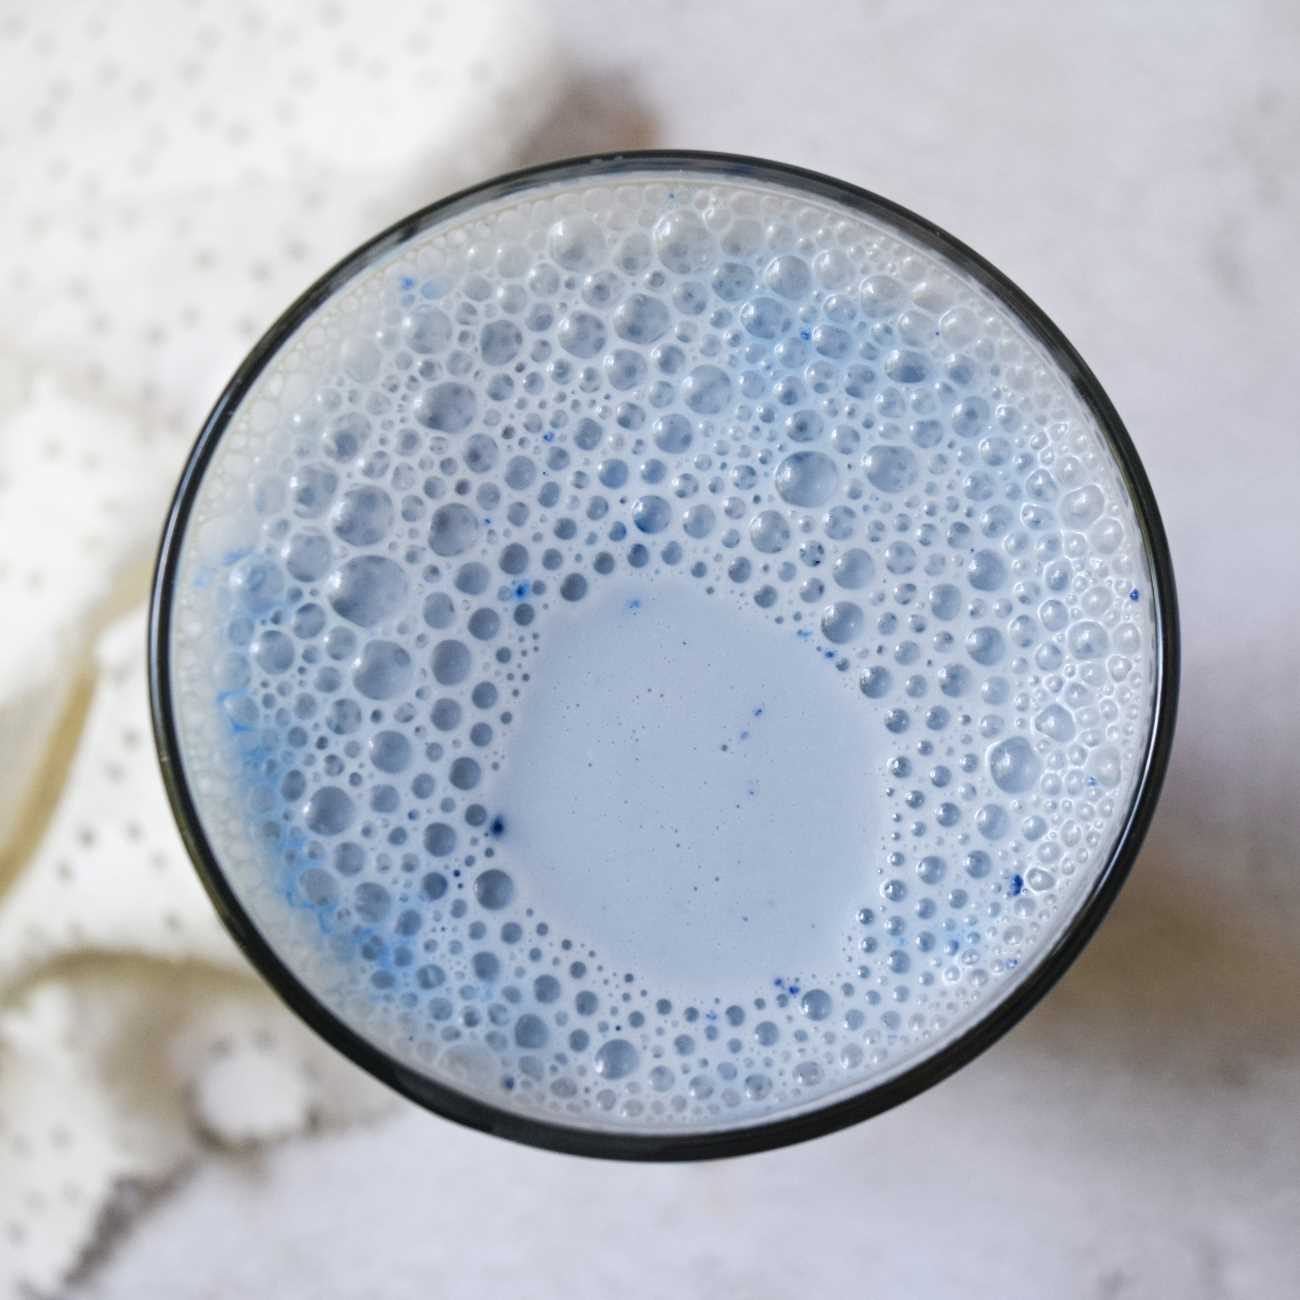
[{"x": 662, "y": 654}]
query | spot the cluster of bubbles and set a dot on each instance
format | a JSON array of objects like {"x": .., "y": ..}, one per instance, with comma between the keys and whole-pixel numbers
[{"x": 788, "y": 405}]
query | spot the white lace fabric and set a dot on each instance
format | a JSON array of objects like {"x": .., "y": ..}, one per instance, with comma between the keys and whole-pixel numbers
[{"x": 181, "y": 174}]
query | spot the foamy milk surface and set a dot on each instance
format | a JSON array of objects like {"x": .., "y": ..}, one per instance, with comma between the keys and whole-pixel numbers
[{"x": 658, "y": 653}]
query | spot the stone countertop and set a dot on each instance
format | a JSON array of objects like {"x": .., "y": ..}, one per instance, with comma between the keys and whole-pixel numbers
[{"x": 1133, "y": 168}]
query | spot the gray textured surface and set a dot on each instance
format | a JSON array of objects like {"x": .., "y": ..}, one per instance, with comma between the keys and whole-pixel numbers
[{"x": 1133, "y": 168}]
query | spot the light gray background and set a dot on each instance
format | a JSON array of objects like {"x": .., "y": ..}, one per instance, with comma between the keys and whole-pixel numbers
[{"x": 1133, "y": 167}]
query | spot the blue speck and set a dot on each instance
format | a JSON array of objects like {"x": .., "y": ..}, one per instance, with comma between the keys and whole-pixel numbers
[
  {"x": 1012, "y": 963},
  {"x": 744, "y": 735},
  {"x": 758, "y": 712},
  {"x": 1017, "y": 884},
  {"x": 804, "y": 633},
  {"x": 508, "y": 1083},
  {"x": 828, "y": 654},
  {"x": 634, "y": 604},
  {"x": 793, "y": 990},
  {"x": 805, "y": 335},
  {"x": 1133, "y": 595},
  {"x": 522, "y": 589},
  {"x": 1092, "y": 781},
  {"x": 407, "y": 282},
  {"x": 497, "y": 826},
  {"x": 548, "y": 436}
]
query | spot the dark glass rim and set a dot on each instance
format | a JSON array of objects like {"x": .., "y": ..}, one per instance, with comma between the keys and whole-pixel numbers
[{"x": 873, "y": 1099}]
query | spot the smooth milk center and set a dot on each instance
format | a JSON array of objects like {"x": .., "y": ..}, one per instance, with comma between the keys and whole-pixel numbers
[{"x": 688, "y": 792}]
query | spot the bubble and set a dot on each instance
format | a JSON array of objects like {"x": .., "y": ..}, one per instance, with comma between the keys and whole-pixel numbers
[
  {"x": 875, "y": 682},
  {"x": 1055, "y": 722},
  {"x": 788, "y": 276},
  {"x": 769, "y": 532},
  {"x": 977, "y": 864},
  {"x": 367, "y": 589},
  {"x": 453, "y": 530},
  {"x": 581, "y": 334},
  {"x": 363, "y": 515},
  {"x": 616, "y": 1059},
  {"x": 1106, "y": 766},
  {"x": 574, "y": 587},
  {"x": 311, "y": 487},
  {"x": 307, "y": 555},
  {"x": 484, "y": 624},
  {"x": 438, "y": 610},
  {"x": 390, "y": 751},
  {"x": 308, "y": 620},
  {"x": 499, "y": 342},
  {"x": 970, "y": 416},
  {"x": 986, "y": 646},
  {"x": 1079, "y": 508},
  {"x": 707, "y": 390},
  {"x": 318, "y": 888},
  {"x": 803, "y": 426},
  {"x": 382, "y": 670},
  {"x": 698, "y": 521},
  {"x": 576, "y": 243},
  {"x": 765, "y": 318},
  {"x": 439, "y": 839},
  {"x": 890, "y": 469},
  {"x": 343, "y": 717},
  {"x": 329, "y": 811},
  {"x": 672, "y": 433},
  {"x": 881, "y": 296},
  {"x": 1013, "y": 765},
  {"x": 625, "y": 369},
  {"x": 986, "y": 571},
  {"x": 931, "y": 869},
  {"x": 273, "y": 651},
  {"x": 448, "y": 407},
  {"x": 945, "y": 601},
  {"x": 641, "y": 318},
  {"x": 494, "y": 889},
  {"x": 854, "y": 569},
  {"x": 906, "y": 366},
  {"x": 472, "y": 578},
  {"x": 842, "y": 622},
  {"x": 954, "y": 680},
  {"x": 426, "y": 329},
  {"x": 651, "y": 514},
  {"x": 345, "y": 436},
  {"x": 1088, "y": 640},
  {"x": 520, "y": 473},
  {"x": 816, "y": 1004},
  {"x": 257, "y": 584},
  {"x": 808, "y": 1073},
  {"x": 806, "y": 478},
  {"x": 451, "y": 662},
  {"x": 683, "y": 242}
]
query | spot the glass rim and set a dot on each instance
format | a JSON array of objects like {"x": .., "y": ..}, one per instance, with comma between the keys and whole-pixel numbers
[{"x": 821, "y": 1119}]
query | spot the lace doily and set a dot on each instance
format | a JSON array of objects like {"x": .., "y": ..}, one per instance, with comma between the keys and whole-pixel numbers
[{"x": 177, "y": 177}]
